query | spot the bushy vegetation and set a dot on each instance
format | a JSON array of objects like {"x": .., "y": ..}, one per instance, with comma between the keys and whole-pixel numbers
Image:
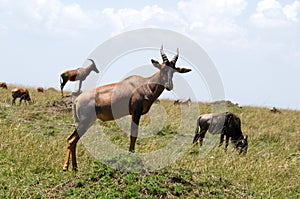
[{"x": 32, "y": 150}]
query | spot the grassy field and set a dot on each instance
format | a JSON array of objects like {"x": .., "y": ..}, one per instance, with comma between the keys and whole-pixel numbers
[{"x": 32, "y": 150}]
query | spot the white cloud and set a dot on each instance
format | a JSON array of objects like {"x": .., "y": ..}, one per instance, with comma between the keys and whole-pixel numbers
[
  {"x": 56, "y": 17},
  {"x": 154, "y": 15},
  {"x": 270, "y": 13},
  {"x": 213, "y": 17},
  {"x": 214, "y": 20},
  {"x": 292, "y": 11},
  {"x": 50, "y": 15}
]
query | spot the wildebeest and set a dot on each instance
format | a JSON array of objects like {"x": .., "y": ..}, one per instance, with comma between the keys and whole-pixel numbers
[
  {"x": 132, "y": 96},
  {"x": 77, "y": 74},
  {"x": 227, "y": 124},
  {"x": 21, "y": 93},
  {"x": 40, "y": 89},
  {"x": 183, "y": 102},
  {"x": 3, "y": 85}
]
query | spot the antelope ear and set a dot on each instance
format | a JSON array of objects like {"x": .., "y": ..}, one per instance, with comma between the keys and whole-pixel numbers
[
  {"x": 183, "y": 70},
  {"x": 156, "y": 64}
]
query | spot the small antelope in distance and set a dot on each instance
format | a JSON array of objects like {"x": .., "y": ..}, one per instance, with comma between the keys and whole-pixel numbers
[
  {"x": 274, "y": 110},
  {"x": 183, "y": 102},
  {"x": 76, "y": 74},
  {"x": 21, "y": 93},
  {"x": 40, "y": 89},
  {"x": 132, "y": 96},
  {"x": 157, "y": 101},
  {"x": 3, "y": 85}
]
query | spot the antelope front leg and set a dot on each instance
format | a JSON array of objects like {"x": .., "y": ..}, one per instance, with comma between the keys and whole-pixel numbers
[
  {"x": 62, "y": 85},
  {"x": 134, "y": 131}
]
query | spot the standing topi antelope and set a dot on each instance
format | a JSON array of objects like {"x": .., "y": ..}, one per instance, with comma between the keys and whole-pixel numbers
[
  {"x": 131, "y": 96},
  {"x": 76, "y": 74},
  {"x": 21, "y": 93},
  {"x": 227, "y": 124},
  {"x": 3, "y": 85}
]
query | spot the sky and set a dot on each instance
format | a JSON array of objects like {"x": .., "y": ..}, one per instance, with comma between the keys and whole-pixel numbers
[{"x": 254, "y": 45}]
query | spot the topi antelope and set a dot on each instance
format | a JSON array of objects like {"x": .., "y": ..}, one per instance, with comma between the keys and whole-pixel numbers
[
  {"x": 3, "y": 85},
  {"x": 131, "y": 96},
  {"x": 183, "y": 102},
  {"x": 76, "y": 74},
  {"x": 21, "y": 93},
  {"x": 40, "y": 89}
]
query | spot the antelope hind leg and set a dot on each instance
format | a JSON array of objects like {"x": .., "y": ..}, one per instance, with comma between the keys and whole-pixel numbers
[{"x": 70, "y": 148}]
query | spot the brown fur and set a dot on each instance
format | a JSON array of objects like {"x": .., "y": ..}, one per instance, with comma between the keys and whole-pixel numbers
[
  {"x": 40, "y": 89},
  {"x": 78, "y": 74},
  {"x": 21, "y": 93},
  {"x": 131, "y": 96},
  {"x": 3, "y": 85}
]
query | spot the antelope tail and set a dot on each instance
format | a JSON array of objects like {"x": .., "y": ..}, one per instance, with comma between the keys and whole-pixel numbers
[{"x": 75, "y": 113}]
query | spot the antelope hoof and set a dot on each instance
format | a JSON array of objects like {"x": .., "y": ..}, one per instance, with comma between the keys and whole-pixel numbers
[{"x": 66, "y": 167}]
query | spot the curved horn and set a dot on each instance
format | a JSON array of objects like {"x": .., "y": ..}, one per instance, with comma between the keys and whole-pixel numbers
[
  {"x": 92, "y": 61},
  {"x": 174, "y": 60},
  {"x": 163, "y": 55}
]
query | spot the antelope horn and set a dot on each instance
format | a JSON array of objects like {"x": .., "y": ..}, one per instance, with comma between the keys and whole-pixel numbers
[
  {"x": 174, "y": 60},
  {"x": 92, "y": 61},
  {"x": 163, "y": 55}
]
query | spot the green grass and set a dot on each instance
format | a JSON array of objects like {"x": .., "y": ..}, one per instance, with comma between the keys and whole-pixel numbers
[{"x": 32, "y": 150}]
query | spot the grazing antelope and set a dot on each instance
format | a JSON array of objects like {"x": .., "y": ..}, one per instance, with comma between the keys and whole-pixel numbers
[
  {"x": 3, "y": 85},
  {"x": 76, "y": 74},
  {"x": 131, "y": 96},
  {"x": 237, "y": 105},
  {"x": 183, "y": 102},
  {"x": 274, "y": 110},
  {"x": 21, "y": 93},
  {"x": 40, "y": 89},
  {"x": 227, "y": 124}
]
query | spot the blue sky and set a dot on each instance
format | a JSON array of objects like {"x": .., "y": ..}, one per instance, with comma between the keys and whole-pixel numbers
[{"x": 255, "y": 45}]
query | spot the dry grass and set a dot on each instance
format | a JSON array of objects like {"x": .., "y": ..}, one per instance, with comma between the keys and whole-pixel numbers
[{"x": 32, "y": 148}]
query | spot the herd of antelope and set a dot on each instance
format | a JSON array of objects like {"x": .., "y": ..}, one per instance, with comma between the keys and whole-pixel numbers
[{"x": 132, "y": 96}]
